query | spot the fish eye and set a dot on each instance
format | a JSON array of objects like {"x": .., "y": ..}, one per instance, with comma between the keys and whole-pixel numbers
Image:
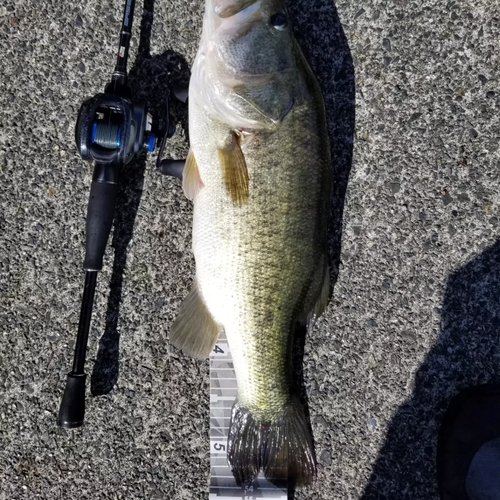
[{"x": 279, "y": 21}]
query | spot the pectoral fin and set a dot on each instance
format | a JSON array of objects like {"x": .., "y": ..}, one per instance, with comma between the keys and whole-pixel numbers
[
  {"x": 234, "y": 170},
  {"x": 194, "y": 331},
  {"x": 191, "y": 180}
]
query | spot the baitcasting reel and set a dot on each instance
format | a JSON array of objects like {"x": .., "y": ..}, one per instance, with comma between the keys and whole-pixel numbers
[{"x": 111, "y": 130}]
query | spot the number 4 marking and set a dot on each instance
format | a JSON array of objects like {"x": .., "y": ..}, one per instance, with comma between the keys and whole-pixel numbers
[{"x": 218, "y": 350}]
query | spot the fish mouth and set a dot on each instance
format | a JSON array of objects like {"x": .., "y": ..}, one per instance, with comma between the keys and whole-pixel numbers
[
  {"x": 228, "y": 8},
  {"x": 236, "y": 19}
]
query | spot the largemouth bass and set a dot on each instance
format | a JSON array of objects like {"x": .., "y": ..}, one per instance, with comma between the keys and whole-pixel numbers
[{"x": 259, "y": 173}]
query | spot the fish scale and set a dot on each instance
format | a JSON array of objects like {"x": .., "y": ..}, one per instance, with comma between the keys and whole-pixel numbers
[{"x": 252, "y": 264}]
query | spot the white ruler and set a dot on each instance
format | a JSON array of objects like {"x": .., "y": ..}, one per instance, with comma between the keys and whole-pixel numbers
[{"x": 222, "y": 396}]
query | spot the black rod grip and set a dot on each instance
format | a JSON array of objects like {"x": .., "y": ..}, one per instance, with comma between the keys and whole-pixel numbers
[
  {"x": 100, "y": 214},
  {"x": 72, "y": 409}
]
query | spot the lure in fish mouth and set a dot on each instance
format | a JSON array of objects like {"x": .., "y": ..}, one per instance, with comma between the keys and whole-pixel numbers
[{"x": 259, "y": 174}]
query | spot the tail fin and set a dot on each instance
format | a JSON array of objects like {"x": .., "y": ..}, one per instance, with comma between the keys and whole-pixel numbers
[{"x": 282, "y": 448}]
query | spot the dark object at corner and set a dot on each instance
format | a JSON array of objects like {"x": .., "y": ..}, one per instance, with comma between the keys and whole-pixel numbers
[{"x": 471, "y": 420}]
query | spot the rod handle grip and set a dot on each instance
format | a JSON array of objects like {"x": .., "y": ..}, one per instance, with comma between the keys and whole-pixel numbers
[{"x": 100, "y": 214}]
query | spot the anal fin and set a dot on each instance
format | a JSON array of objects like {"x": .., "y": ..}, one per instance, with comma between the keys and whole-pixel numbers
[{"x": 194, "y": 331}]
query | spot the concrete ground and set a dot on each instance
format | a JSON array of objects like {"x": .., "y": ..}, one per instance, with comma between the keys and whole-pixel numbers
[{"x": 413, "y": 102}]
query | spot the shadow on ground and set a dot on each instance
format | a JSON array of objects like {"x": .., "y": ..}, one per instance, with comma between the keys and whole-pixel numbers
[
  {"x": 319, "y": 32},
  {"x": 467, "y": 353},
  {"x": 148, "y": 80}
]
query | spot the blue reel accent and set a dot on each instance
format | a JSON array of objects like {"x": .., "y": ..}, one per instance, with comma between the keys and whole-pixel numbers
[
  {"x": 119, "y": 138},
  {"x": 151, "y": 143},
  {"x": 94, "y": 128}
]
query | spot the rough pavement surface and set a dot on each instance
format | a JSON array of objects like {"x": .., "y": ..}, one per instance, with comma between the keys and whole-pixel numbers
[{"x": 413, "y": 103}]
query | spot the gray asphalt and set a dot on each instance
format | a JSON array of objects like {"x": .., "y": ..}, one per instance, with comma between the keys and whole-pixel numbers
[{"x": 413, "y": 103}]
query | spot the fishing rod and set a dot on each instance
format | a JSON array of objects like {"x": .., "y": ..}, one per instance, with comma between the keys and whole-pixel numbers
[{"x": 111, "y": 130}]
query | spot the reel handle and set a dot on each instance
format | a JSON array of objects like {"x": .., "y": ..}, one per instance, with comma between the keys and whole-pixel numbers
[
  {"x": 181, "y": 93},
  {"x": 172, "y": 167}
]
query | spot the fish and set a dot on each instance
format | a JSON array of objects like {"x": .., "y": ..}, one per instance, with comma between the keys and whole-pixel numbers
[{"x": 260, "y": 175}]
